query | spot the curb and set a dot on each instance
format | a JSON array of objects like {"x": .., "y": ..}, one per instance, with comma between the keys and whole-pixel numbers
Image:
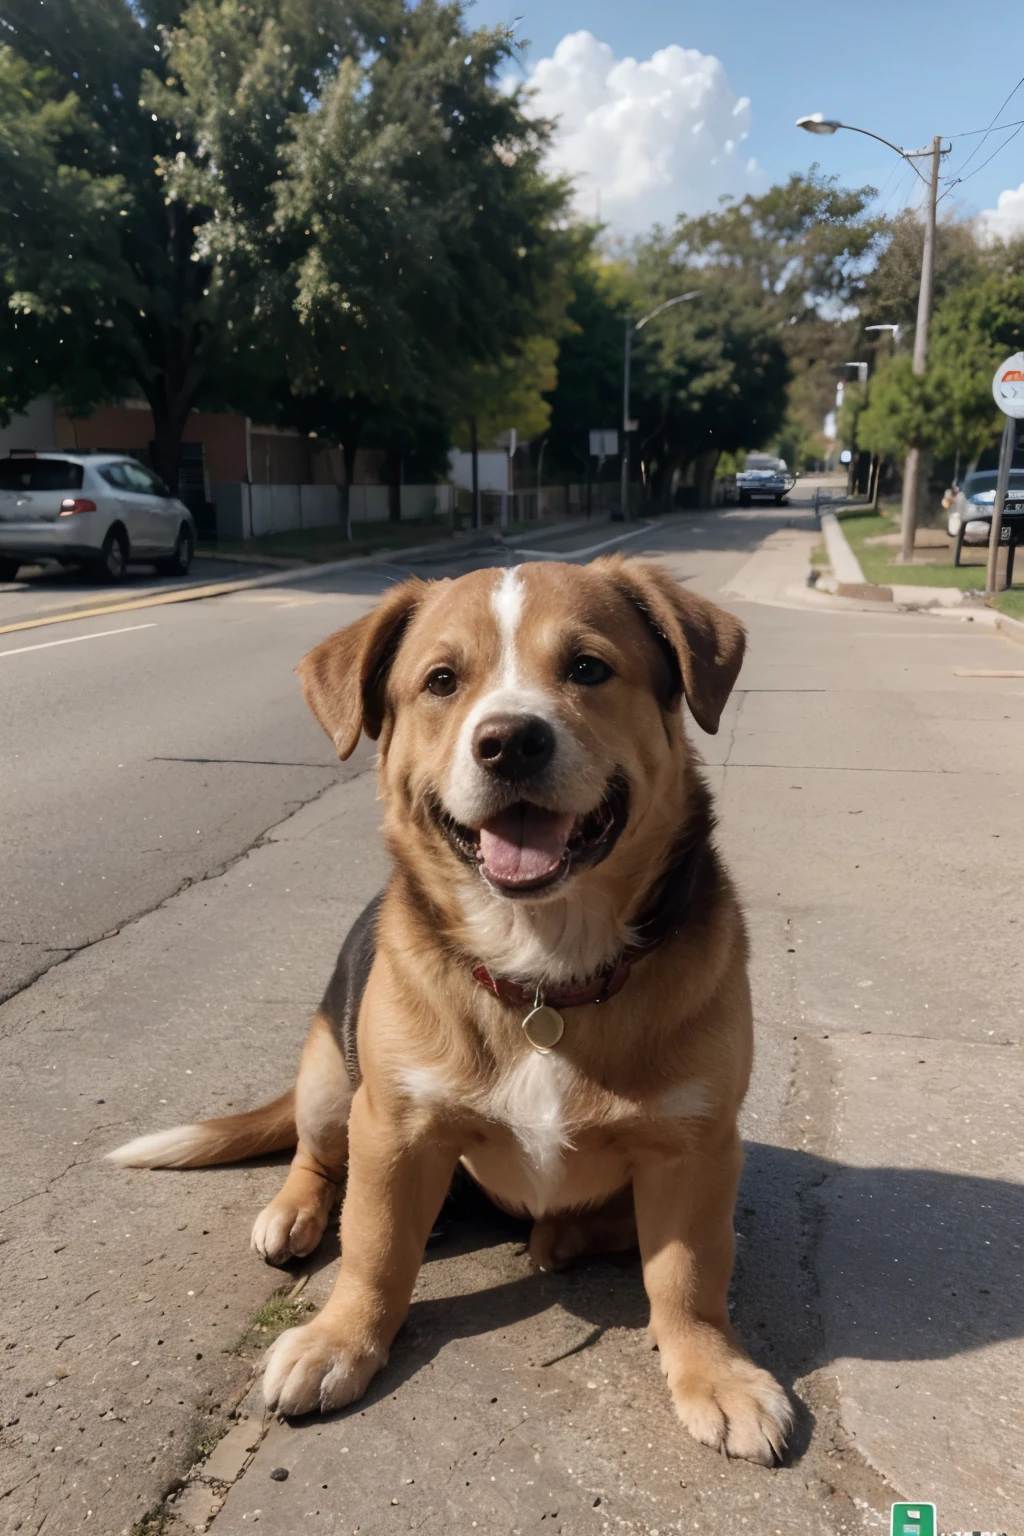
[
  {"x": 850, "y": 579},
  {"x": 1013, "y": 629}
]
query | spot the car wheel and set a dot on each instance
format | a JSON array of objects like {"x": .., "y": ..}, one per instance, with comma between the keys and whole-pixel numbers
[
  {"x": 178, "y": 564},
  {"x": 113, "y": 557},
  {"x": 9, "y": 569},
  {"x": 744, "y": 500}
]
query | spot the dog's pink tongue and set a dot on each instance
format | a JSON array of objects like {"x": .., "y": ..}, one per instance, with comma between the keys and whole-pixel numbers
[{"x": 523, "y": 844}]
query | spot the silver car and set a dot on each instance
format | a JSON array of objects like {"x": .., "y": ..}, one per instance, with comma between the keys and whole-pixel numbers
[
  {"x": 100, "y": 510},
  {"x": 970, "y": 515}
]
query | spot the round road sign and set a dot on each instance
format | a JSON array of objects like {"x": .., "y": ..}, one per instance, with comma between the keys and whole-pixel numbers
[{"x": 1008, "y": 386}]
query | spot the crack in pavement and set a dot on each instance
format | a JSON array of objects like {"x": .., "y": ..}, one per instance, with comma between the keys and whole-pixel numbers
[{"x": 66, "y": 952}]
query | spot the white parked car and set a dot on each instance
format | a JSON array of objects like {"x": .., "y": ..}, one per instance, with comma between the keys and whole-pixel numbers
[{"x": 100, "y": 510}]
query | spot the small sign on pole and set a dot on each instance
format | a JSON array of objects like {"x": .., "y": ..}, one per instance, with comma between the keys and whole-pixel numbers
[
  {"x": 1008, "y": 386},
  {"x": 1008, "y": 393},
  {"x": 604, "y": 443}
]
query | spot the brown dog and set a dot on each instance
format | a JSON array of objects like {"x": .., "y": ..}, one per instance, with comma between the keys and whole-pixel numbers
[{"x": 551, "y": 989}]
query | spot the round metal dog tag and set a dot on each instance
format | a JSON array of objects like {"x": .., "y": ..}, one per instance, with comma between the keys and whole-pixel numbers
[{"x": 544, "y": 1027}]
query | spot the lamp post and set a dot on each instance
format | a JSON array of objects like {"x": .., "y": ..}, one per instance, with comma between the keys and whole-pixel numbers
[
  {"x": 631, "y": 327},
  {"x": 894, "y": 332},
  {"x": 817, "y": 123}
]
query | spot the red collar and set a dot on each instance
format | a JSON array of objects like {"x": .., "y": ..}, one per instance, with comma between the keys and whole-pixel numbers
[{"x": 597, "y": 990}]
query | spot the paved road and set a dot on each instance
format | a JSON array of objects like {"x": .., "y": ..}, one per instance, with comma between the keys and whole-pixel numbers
[
  {"x": 871, "y": 807},
  {"x": 145, "y": 750}
]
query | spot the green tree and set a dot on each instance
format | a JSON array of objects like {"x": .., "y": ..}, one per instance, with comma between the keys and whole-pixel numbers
[
  {"x": 778, "y": 274},
  {"x": 587, "y": 393},
  {"x": 289, "y": 197},
  {"x": 950, "y": 411}
]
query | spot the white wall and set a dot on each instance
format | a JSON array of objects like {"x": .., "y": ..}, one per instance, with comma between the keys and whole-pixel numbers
[{"x": 31, "y": 428}]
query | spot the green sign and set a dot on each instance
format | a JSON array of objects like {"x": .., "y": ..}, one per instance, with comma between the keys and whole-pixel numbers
[{"x": 913, "y": 1520}]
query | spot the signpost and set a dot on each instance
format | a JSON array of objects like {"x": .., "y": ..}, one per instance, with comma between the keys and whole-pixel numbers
[
  {"x": 1008, "y": 393},
  {"x": 604, "y": 444}
]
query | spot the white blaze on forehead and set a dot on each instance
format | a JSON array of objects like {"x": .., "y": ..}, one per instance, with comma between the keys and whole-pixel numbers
[
  {"x": 507, "y": 603},
  {"x": 471, "y": 795}
]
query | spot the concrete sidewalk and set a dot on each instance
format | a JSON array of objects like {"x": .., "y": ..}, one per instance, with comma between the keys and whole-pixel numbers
[{"x": 870, "y": 805}]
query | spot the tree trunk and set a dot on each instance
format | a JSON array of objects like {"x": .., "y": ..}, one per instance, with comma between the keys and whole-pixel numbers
[
  {"x": 168, "y": 426},
  {"x": 704, "y": 479}
]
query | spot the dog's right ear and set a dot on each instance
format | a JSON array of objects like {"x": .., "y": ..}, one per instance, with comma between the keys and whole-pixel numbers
[{"x": 345, "y": 678}]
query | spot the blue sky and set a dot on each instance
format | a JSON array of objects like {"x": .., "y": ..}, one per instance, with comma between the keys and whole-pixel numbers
[{"x": 906, "y": 68}]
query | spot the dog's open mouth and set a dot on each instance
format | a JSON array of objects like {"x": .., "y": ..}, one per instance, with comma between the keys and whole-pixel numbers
[{"x": 526, "y": 848}]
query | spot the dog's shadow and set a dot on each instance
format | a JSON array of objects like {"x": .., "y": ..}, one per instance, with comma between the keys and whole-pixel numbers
[{"x": 833, "y": 1261}]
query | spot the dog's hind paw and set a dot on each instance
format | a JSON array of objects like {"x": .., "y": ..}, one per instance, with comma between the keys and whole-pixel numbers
[
  {"x": 311, "y": 1369},
  {"x": 734, "y": 1406},
  {"x": 286, "y": 1230}
]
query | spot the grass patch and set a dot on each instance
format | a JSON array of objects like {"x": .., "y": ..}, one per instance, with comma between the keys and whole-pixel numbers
[
  {"x": 880, "y": 568},
  {"x": 1011, "y": 603},
  {"x": 156, "y": 1523},
  {"x": 276, "y": 1314}
]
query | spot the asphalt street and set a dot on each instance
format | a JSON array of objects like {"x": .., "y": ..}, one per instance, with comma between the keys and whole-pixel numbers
[{"x": 871, "y": 805}]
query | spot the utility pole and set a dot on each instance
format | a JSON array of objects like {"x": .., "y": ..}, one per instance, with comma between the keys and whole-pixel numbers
[
  {"x": 1002, "y": 483},
  {"x": 912, "y": 466},
  {"x": 474, "y": 449},
  {"x": 624, "y": 471}
]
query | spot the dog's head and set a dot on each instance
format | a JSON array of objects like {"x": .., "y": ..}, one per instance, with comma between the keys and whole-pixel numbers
[{"x": 529, "y": 719}]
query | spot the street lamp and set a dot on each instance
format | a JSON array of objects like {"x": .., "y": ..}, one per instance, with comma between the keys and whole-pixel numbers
[
  {"x": 631, "y": 327},
  {"x": 818, "y": 123}
]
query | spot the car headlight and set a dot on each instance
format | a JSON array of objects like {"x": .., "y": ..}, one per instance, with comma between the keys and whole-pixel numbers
[{"x": 983, "y": 498}]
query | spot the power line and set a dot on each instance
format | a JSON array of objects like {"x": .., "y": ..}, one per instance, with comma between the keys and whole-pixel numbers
[
  {"x": 991, "y": 125},
  {"x": 959, "y": 180},
  {"x": 970, "y": 132}
]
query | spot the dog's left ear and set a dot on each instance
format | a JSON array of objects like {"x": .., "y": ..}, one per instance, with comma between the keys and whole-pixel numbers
[
  {"x": 702, "y": 643},
  {"x": 345, "y": 677}
]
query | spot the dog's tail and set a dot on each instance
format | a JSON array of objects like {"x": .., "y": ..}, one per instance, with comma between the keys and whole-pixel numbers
[{"x": 271, "y": 1128}]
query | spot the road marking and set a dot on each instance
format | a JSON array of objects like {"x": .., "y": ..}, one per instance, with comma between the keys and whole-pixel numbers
[
  {"x": 190, "y": 594},
  {"x": 45, "y": 645},
  {"x": 584, "y": 554},
  {"x": 988, "y": 672}
]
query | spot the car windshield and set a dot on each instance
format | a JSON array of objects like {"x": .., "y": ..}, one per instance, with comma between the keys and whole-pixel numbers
[
  {"x": 762, "y": 461},
  {"x": 40, "y": 475},
  {"x": 985, "y": 480}
]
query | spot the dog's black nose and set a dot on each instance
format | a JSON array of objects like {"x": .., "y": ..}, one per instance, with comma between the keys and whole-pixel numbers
[{"x": 513, "y": 746}]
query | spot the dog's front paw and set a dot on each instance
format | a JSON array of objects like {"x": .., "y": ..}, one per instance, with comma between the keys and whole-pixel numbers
[
  {"x": 315, "y": 1368},
  {"x": 730, "y": 1404}
]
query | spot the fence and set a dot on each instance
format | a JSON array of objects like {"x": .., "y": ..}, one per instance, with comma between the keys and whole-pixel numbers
[{"x": 249, "y": 511}]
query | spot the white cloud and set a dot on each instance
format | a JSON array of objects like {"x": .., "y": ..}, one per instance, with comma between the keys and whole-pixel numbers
[
  {"x": 649, "y": 138},
  {"x": 1006, "y": 219}
]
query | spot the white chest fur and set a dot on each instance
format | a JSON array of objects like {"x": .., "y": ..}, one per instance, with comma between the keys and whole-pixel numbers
[{"x": 530, "y": 1101}]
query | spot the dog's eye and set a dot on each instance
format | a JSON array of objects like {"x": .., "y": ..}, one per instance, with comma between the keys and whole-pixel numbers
[
  {"x": 589, "y": 670},
  {"x": 442, "y": 682}
]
